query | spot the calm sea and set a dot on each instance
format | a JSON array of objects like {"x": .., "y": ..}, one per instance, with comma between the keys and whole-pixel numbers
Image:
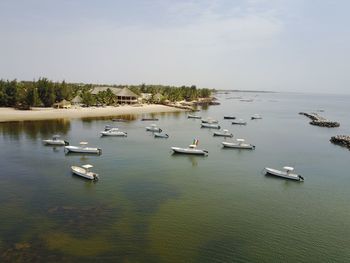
[{"x": 152, "y": 206}]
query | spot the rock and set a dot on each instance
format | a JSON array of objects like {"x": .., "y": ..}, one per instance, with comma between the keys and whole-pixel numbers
[
  {"x": 318, "y": 120},
  {"x": 342, "y": 140}
]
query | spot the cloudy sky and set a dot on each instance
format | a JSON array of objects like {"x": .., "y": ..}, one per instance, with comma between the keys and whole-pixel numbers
[{"x": 281, "y": 45}]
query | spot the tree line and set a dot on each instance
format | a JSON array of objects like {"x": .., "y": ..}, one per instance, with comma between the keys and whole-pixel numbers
[{"x": 44, "y": 93}]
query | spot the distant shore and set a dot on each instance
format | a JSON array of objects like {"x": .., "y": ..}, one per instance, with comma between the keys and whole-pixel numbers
[{"x": 10, "y": 114}]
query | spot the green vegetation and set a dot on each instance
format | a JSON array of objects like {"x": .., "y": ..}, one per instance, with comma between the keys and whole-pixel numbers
[{"x": 44, "y": 93}]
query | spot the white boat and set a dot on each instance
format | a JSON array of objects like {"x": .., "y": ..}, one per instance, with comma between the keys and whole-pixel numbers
[
  {"x": 256, "y": 117},
  {"x": 84, "y": 172},
  {"x": 284, "y": 174},
  {"x": 210, "y": 120},
  {"x": 82, "y": 149},
  {"x": 161, "y": 135},
  {"x": 55, "y": 141},
  {"x": 239, "y": 122},
  {"x": 191, "y": 149},
  {"x": 113, "y": 132},
  {"x": 153, "y": 128},
  {"x": 239, "y": 144},
  {"x": 193, "y": 116},
  {"x": 224, "y": 133},
  {"x": 210, "y": 125}
]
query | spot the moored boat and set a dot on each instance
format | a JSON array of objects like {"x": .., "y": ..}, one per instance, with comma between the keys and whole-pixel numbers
[
  {"x": 82, "y": 149},
  {"x": 119, "y": 120},
  {"x": 191, "y": 149},
  {"x": 239, "y": 122},
  {"x": 224, "y": 133},
  {"x": 210, "y": 125},
  {"x": 229, "y": 117},
  {"x": 239, "y": 144},
  {"x": 84, "y": 172},
  {"x": 287, "y": 173},
  {"x": 153, "y": 128},
  {"x": 161, "y": 135},
  {"x": 209, "y": 120},
  {"x": 256, "y": 117},
  {"x": 55, "y": 141},
  {"x": 113, "y": 132},
  {"x": 193, "y": 116}
]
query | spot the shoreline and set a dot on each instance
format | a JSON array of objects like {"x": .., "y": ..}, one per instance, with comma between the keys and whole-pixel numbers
[{"x": 13, "y": 115}]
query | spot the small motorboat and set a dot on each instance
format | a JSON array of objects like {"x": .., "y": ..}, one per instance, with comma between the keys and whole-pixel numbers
[
  {"x": 84, "y": 172},
  {"x": 210, "y": 120},
  {"x": 191, "y": 149},
  {"x": 119, "y": 120},
  {"x": 284, "y": 174},
  {"x": 161, "y": 135},
  {"x": 153, "y": 128},
  {"x": 224, "y": 133},
  {"x": 113, "y": 132},
  {"x": 229, "y": 117},
  {"x": 55, "y": 141},
  {"x": 256, "y": 117},
  {"x": 239, "y": 144},
  {"x": 239, "y": 122},
  {"x": 149, "y": 119},
  {"x": 210, "y": 125},
  {"x": 194, "y": 117},
  {"x": 82, "y": 149}
]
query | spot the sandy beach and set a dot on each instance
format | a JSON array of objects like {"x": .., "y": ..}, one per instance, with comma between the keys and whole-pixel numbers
[{"x": 10, "y": 114}]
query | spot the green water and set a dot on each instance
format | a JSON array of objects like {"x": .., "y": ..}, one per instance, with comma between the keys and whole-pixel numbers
[{"x": 152, "y": 206}]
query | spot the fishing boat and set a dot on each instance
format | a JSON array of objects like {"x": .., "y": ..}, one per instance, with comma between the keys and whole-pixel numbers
[
  {"x": 55, "y": 141},
  {"x": 113, "y": 132},
  {"x": 153, "y": 128},
  {"x": 191, "y": 149},
  {"x": 84, "y": 172},
  {"x": 256, "y": 117},
  {"x": 229, "y": 117},
  {"x": 161, "y": 135},
  {"x": 210, "y": 125},
  {"x": 287, "y": 173},
  {"x": 82, "y": 149},
  {"x": 210, "y": 120},
  {"x": 239, "y": 122},
  {"x": 149, "y": 119},
  {"x": 224, "y": 133},
  {"x": 239, "y": 144},
  {"x": 194, "y": 117}
]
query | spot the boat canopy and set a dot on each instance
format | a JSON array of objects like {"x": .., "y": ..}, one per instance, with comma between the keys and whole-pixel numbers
[
  {"x": 288, "y": 168},
  {"x": 192, "y": 146},
  {"x": 225, "y": 130},
  {"x": 240, "y": 140},
  {"x": 55, "y": 136},
  {"x": 83, "y": 143},
  {"x": 87, "y": 166}
]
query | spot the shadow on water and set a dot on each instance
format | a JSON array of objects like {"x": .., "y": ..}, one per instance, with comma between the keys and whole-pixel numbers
[
  {"x": 35, "y": 129},
  {"x": 193, "y": 159}
]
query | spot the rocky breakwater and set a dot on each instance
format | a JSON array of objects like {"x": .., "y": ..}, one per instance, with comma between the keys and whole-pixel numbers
[
  {"x": 342, "y": 140},
  {"x": 319, "y": 120}
]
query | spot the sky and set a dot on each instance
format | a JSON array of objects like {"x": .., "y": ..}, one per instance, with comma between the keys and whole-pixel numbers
[{"x": 279, "y": 45}]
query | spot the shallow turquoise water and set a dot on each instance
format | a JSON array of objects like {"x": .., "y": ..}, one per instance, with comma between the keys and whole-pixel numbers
[{"x": 152, "y": 206}]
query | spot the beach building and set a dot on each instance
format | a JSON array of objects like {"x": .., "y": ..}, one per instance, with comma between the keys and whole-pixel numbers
[
  {"x": 77, "y": 101},
  {"x": 64, "y": 104},
  {"x": 124, "y": 95}
]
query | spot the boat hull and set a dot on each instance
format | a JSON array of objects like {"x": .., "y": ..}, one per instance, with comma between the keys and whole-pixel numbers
[
  {"x": 238, "y": 145},
  {"x": 239, "y": 123},
  {"x": 194, "y": 117},
  {"x": 83, "y": 173},
  {"x": 210, "y": 126},
  {"x": 153, "y": 129},
  {"x": 189, "y": 151},
  {"x": 120, "y": 134},
  {"x": 229, "y": 117},
  {"x": 87, "y": 150},
  {"x": 160, "y": 135},
  {"x": 55, "y": 142},
  {"x": 218, "y": 134},
  {"x": 283, "y": 174}
]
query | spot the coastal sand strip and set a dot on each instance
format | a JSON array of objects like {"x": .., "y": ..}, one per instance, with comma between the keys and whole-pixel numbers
[{"x": 10, "y": 114}]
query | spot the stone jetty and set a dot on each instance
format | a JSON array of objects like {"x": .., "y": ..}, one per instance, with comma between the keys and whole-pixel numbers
[
  {"x": 342, "y": 140},
  {"x": 319, "y": 120}
]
